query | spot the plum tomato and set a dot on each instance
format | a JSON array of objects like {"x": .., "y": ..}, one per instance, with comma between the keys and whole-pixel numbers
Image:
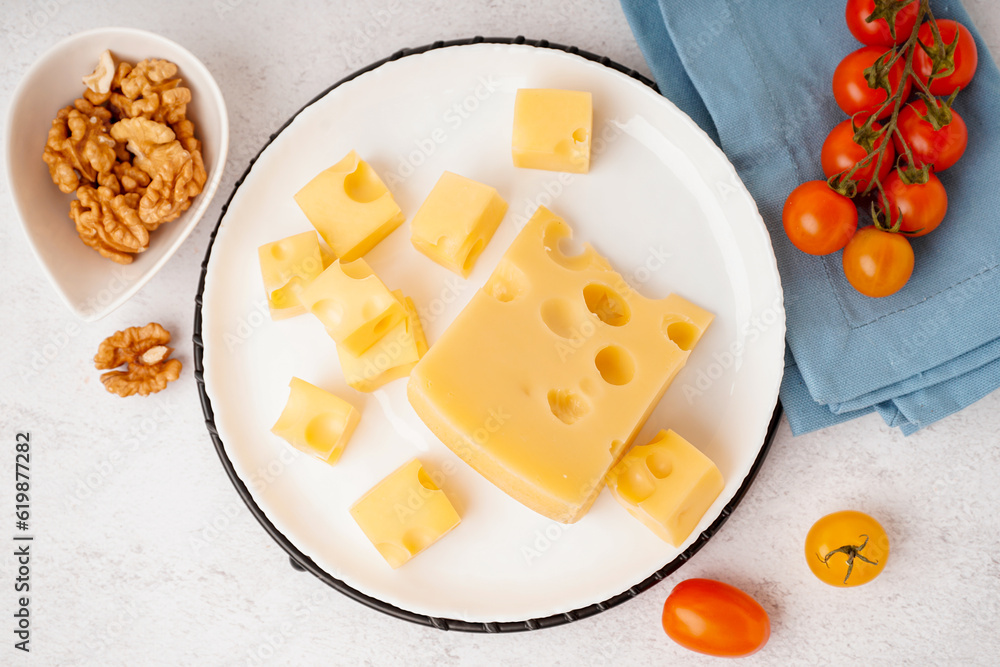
[
  {"x": 714, "y": 618},
  {"x": 851, "y": 90},
  {"x": 817, "y": 219},
  {"x": 877, "y": 32},
  {"x": 938, "y": 148},
  {"x": 840, "y": 152},
  {"x": 966, "y": 57},
  {"x": 846, "y": 548},
  {"x": 878, "y": 263},
  {"x": 920, "y": 207}
]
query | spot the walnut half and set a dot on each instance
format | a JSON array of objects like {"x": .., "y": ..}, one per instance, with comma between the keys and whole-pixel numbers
[{"x": 145, "y": 351}]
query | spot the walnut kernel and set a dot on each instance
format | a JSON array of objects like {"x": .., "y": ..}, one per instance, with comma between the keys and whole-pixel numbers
[{"x": 145, "y": 351}]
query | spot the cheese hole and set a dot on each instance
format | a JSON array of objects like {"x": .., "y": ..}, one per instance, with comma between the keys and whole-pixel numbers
[
  {"x": 559, "y": 317},
  {"x": 287, "y": 296},
  {"x": 682, "y": 334},
  {"x": 381, "y": 325},
  {"x": 561, "y": 249},
  {"x": 357, "y": 269},
  {"x": 417, "y": 539},
  {"x": 567, "y": 405},
  {"x": 363, "y": 185},
  {"x": 507, "y": 282},
  {"x": 660, "y": 464},
  {"x": 615, "y": 365},
  {"x": 393, "y": 554},
  {"x": 473, "y": 255},
  {"x": 609, "y": 306},
  {"x": 278, "y": 251},
  {"x": 329, "y": 311},
  {"x": 636, "y": 484},
  {"x": 426, "y": 481},
  {"x": 580, "y": 135},
  {"x": 323, "y": 431}
]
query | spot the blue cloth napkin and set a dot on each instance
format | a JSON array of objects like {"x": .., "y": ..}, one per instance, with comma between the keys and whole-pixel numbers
[{"x": 756, "y": 75}]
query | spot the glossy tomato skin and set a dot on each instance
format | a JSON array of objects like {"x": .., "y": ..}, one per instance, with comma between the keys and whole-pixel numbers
[
  {"x": 966, "y": 56},
  {"x": 922, "y": 206},
  {"x": 818, "y": 220},
  {"x": 878, "y": 263},
  {"x": 939, "y": 148},
  {"x": 835, "y": 534},
  {"x": 877, "y": 32},
  {"x": 840, "y": 153},
  {"x": 851, "y": 90},
  {"x": 714, "y": 618}
]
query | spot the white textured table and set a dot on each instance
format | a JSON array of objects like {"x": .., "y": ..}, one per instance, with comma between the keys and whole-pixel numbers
[{"x": 144, "y": 553}]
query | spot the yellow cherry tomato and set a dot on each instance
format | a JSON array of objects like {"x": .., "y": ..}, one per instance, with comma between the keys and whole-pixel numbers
[{"x": 847, "y": 548}]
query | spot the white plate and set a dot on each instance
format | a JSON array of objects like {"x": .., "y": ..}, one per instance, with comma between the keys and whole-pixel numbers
[{"x": 661, "y": 202}]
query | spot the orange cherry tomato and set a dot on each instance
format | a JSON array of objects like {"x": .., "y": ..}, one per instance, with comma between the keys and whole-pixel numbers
[
  {"x": 851, "y": 90},
  {"x": 878, "y": 263},
  {"x": 966, "y": 56},
  {"x": 711, "y": 617},
  {"x": 840, "y": 153},
  {"x": 817, "y": 219},
  {"x": 921, "y": 205}
]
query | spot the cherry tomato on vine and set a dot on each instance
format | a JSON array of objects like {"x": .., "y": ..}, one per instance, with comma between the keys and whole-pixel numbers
[
  {"x": 711, "y": 617},
  {"x": 877, "y": 33},
  {"x": 938, "y": 148},
  {"x": 922, "y": 206},
  {"x": 851, "y": 90},
  {"x": 817, "y": 219},
  {"x": 966, "y": 56},
  {"x": 878, "y": 263},
  {"x": 840, "y": 153},
  {"x": 847, "y": 548}
]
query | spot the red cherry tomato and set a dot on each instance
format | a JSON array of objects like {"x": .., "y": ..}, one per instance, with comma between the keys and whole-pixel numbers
[
  {"x": 876, "y": 33},
  {"x": 966, "y": 56},
  {"x": 851, "y": 90},
  {"x": 922, "y": 205},
  {"x": 878, "y": 263},
  {"x": 938, "y": 148},
  {"x": 818, "y": 220},
  {"x": 711, "y": 617},
  {"x": 840, "y": 153}
]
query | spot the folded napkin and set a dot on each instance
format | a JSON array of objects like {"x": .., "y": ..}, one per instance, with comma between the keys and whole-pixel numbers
[{"x": 756, "y": 75}]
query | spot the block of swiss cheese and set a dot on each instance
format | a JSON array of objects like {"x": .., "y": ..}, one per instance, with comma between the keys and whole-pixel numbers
[{"x": 544, "y": 379}]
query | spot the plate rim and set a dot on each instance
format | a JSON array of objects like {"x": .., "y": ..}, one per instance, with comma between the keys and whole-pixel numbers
[{"x": 304, "y": 563}]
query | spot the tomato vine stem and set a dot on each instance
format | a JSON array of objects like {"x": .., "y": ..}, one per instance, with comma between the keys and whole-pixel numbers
[{"x": 879, "y": 74}]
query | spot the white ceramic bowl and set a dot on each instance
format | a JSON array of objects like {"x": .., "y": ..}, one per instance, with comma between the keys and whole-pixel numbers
[{"x": 91, "y": 285}]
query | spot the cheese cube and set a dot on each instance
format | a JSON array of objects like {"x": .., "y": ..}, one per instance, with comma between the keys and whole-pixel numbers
[
  {"x": 404, "y": 513},
  {"x": 350, "y": 207},
  {"x": 544, "y": 379},
  {"x": 552, "y": 130},
  {"x": 667, "y": 484},
  {"x": 393, "y": 357},
  {"x": 316, "y": 422},
  {"x": 456, "y": 222},
  {"x": 356, "y": 307},
  {"x": 288, "y": 266}
]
